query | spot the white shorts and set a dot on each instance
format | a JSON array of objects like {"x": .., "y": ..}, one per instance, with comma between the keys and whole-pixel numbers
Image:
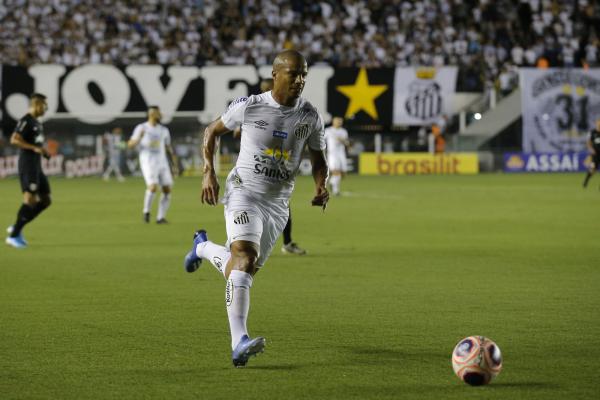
[
  {"x": 337, "y": 162},
  {"x": 157, "y": 174},
  {"x": 253, "y": 219}
]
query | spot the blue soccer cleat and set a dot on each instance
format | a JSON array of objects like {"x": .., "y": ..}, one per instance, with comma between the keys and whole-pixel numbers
[
  {"x": 192, "y": 262},
  {"x": 246, "y": 348},
  {"x": 16, "y": 242},
  {"x": 10, "y": 229}
]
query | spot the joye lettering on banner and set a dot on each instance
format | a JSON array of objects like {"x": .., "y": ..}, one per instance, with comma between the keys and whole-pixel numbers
[
  {"x": 422, "y": 95},
  {"x": 97, "y": 94},
  {"x": 559, "y": 107}
]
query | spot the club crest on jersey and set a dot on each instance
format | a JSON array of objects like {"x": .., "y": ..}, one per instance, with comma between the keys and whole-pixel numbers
[
  {"x": 241, "y": 218},
  {"x": 301, "y": 131},
  {"x": 280, "y": 134}
]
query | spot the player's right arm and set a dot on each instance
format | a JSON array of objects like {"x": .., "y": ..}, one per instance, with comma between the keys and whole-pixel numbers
[
  {"x": 232, "y": 118},
  {"x": 210, "y": 184},
  {"x": 17, "y": 139},
  {"x": 136, "y": 137}
]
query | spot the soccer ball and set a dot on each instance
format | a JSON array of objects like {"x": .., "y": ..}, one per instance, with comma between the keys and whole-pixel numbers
[{"x": 476, "y": 360}]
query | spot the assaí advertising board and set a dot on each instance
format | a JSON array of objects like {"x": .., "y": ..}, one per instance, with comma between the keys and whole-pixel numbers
[{"x": 546, "y": 162}]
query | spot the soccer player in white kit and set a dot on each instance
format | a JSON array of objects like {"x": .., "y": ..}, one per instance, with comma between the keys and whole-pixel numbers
[
  {"x": 276, "y": 127},
  {"x": 337, "y": 141},
  {"x": 154, "y": 142}
]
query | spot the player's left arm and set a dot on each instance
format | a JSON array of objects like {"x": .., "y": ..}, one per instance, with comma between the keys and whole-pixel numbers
[
  {"x": 320, "y": 172},
  {"x": 173, "y": 158},
  {"x": 345, "y": 139},
  {"x": 590, "y": 146}
]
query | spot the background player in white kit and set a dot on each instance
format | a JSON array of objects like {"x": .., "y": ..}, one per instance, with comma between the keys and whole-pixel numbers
[
  {"x": 154, "y": 141},
  {"x": 114, "y": 145},
  {"x": 337, "y": 141},
  {"x": 276, "y": 127}
]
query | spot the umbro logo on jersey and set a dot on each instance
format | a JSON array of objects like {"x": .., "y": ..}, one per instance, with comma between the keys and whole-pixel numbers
[
  {"x": 302, "y": 131},
  {"x": 260, "y": 124},
  {"x": 241, "y": 218}
]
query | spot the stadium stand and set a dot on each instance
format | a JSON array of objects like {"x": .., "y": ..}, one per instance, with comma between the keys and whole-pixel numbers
[{"x": 486, "y": 39}]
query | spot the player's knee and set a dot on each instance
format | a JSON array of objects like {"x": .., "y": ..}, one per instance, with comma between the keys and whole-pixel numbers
[
  {"x": 45, "y": 201},
  {"x": 153, "y": 188},
  {"x": 166, "y": 189},
  {"x": 244, "y": 258}
]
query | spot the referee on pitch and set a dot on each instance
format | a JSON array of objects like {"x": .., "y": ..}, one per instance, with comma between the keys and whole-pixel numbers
[{"x": 29, "y": 138}]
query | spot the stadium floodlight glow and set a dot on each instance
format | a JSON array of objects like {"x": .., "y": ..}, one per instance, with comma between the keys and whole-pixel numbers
[{"x": 477, "y": 116}]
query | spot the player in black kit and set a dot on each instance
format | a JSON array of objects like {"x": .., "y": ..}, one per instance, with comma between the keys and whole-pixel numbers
[
  {"x": 29, "y": 138},
  {"x": 593, "y": 145}
]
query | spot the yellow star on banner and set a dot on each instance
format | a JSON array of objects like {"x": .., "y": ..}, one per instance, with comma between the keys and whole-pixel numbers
[{"x": 362, "y": 95}]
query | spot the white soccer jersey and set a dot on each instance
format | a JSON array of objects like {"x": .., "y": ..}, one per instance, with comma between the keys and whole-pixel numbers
[
  {"x": 273, "y": 138},
  {"x": 336, "y": 139},
  {"x": 152, "y": 147}
]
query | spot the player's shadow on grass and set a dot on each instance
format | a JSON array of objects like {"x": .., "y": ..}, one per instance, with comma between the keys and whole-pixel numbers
[
  {"x": 275, "y": 367},
  {"x": 374, "y": 355}
]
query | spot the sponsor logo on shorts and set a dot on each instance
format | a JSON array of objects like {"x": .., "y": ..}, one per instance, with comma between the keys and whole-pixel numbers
[
  {"x": 280, "y": 134},
  {"x": 229, "y": 293},
  {"x": 302, "y": 131},
  {"x": 241, "y": 218}
]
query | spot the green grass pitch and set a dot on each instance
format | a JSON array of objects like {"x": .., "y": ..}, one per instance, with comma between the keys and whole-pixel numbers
[{"x": 398, "y": 271}]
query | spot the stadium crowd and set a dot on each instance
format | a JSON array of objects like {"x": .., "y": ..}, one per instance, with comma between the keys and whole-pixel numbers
[{"x": 484, "y": 38}]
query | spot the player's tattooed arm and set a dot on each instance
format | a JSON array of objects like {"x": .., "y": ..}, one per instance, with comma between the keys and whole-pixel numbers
[
  {"x": 17, "y": 140},
  {"x": 210, "y": 184},
  {"x": 320, "y": 172}
]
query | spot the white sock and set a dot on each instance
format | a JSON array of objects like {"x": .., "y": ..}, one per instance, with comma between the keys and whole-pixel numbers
[
  {"x": 148, "y": 197},
  {"x": 217, "y": 255},
  {"x": 335, "y": 183},
  {"x": 163, "y": 205},
  {"x": 237, "y": 300}
]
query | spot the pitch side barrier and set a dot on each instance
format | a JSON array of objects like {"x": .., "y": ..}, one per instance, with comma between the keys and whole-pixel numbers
[{"x": 418, "y": 164}]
